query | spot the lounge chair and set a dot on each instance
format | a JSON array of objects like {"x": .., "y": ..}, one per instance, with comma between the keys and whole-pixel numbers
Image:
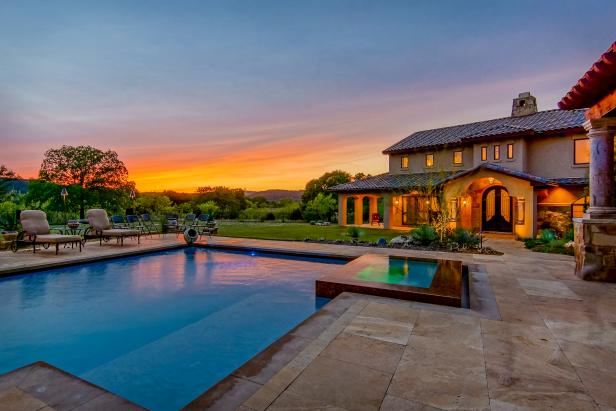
[
  {"x": 36, "y": 231},
  {"x": 149, "y": 225},
  {"x": 103, "y": 230}
]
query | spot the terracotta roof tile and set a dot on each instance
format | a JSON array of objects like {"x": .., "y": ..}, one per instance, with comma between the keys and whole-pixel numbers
[{"x": 538, "y": 123}]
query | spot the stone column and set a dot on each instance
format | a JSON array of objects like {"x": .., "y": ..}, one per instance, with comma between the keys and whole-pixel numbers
[
  {"x": 342, "y": 209},
  {"x": 387, "y": 213},
  {"x": 601, "y": 133},
  {"x": 595, "y": 234},
  {"x": 358, "y": 210}
]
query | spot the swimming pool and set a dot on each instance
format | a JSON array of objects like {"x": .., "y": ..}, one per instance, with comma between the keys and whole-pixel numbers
[{"x": 158, "y": 329}]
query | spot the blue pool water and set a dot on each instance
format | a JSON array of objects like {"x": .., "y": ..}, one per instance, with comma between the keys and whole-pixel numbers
[{"x": 158, "y": 329}]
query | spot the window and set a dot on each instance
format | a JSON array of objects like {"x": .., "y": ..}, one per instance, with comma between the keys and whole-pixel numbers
[
  {"x": 484, "y": 153},
  {"x": 510, "y": 151},
  {"x": 404, "y": 162},
  {"x": 496, "y": 153},
  {"x": 581, "y": 153},
  {"x": 429, "y": 160},
  {"x": 457, "y": 157}
]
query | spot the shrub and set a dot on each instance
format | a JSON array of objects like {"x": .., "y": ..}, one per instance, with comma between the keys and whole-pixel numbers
[
  {"x": 424, "y": 234},
  {"x": 530, "y": 243},
  {"x": 547, "y": 235},
  {"x": 568, "y": 236},
  {"x": 465, "y": 238},
  {"x": 269, "y": 216},
  {"x": 296, "y": 214},
  {"x": 556, "y": 221},
  {"x": 353, "y": 232},
  {"x": 554, "y": 247}
]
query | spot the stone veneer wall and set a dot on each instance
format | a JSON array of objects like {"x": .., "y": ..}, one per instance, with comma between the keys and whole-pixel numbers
[{"x": 595, "y": 249}]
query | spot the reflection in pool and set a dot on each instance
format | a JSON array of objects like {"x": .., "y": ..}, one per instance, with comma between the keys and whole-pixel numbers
[{"x": 400, "y": 271}]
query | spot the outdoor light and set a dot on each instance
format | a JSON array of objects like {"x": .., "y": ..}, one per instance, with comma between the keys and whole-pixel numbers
[
  {"x": 520, "y": 214},
  {"x": 64, "y": 193},
  {"x": 464, "y": 202},
  {"x": 132, "y": 194}
]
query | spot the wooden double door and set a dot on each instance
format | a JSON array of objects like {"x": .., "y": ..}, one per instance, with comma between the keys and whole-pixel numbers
[
  {"x": 414, "y": 210},
  {"x": 496, "y": 210}
]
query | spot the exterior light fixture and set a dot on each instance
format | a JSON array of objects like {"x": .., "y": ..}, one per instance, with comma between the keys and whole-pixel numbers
[
  {"x": 464, "y": 202},
  {"x": 520, "y": 213},
  {"x": 64, "y": 193},
  {"x": 132, "y": 194}
]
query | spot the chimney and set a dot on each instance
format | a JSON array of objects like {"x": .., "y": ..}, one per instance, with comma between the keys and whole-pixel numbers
[{"x": 524, "y": 105}]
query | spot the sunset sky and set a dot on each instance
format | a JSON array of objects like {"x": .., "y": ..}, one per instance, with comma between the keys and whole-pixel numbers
[{"x": 268, "y": 94}]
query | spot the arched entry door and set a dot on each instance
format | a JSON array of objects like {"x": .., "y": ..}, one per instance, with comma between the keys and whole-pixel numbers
[{"x": 496, "y": 210}]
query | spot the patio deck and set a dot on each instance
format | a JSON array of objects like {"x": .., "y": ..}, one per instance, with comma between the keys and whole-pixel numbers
[{"x": 553, "y": 347}]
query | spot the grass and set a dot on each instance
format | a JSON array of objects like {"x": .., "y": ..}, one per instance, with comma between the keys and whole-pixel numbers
[{"x": 299, "y": 231}]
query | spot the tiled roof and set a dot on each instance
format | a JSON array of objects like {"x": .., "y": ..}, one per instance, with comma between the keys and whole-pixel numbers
[
  {"x": 596, "y": 83},
  {"x": 503, "y": 170},
  {"x": 394, "y": 182},
  {"x": 541, "y": 122},
  {"x": 391, "y": 182},
  {"x": 582, "y": 181}
]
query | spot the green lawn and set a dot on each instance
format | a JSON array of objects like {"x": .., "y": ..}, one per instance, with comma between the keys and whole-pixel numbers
[{"x": 298, "y": 231}]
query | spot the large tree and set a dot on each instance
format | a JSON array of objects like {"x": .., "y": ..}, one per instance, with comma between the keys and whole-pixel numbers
[
  {"x": 91, "y": 173},
  {"x": 321, "y": 184}
]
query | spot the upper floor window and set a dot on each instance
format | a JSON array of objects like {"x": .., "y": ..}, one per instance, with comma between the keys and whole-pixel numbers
[
  {"x": 581, "y": 151},
  {"x": 404, "y": 162},
  {"x": 496, "y": 152},
  {"x": 484, "y": 153},
  {"x": 510, "y": 151},
  {"x": 429, "y": 160},
  {"x": 457, "y": 157}
]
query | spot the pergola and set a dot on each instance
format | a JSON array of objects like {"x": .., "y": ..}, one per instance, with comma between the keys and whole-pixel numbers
[{"x": 595, "y": 234}]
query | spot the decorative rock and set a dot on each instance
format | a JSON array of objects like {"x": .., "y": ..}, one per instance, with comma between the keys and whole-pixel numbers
[{"x": 399, "y": 240}]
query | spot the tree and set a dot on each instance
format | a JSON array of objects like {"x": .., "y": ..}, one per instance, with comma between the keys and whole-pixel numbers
[
  {"x": 94, "y": 175},
  {"x": 230, "y": 201},
  {"x": 321, "y": 207},
  {"x": 6, "y": 176},
  {"x": 321, "y": 184}
]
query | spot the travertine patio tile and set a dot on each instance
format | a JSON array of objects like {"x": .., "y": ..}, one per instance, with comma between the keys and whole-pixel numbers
[
  {"x": 526, "y": 368},
  {"x": 342, "y": 384},
  {"x": 376, "y": 354},
  {"x": 600, "y": 385},
  {"x": 380, "y": 329},
  {"x": 14, "y": 399},
  {"x": 590, "y": 356},
  {"x": 441, "y": 373},
  {"x": 391, "y": 403},
  {"x": 463, "y": 329},
  {"x": 556, "y": 289},
  {"x": 598, "y": 334},
  {"x": 288, "y": 402},
  {"x": 399, "y": 313}
]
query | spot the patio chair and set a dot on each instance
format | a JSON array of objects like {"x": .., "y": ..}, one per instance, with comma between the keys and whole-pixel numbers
[
  {"x": 36, "y": 228},
  {"x": 375, "y": 219},
  {"x": 149, "y": 225},
  {"x": 103, "y": 229},
  {"x": 117, "y": 221},
  {"x": 133, "y": 222},
  {"x": 190, "y": 220}
]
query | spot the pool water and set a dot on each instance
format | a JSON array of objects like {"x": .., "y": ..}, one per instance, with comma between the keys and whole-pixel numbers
[
  {"x": 158, "y": 329},
  {"x": 400, "y": 271}
]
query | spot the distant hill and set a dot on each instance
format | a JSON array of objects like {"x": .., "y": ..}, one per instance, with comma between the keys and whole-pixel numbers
[{"x": 276, "y": 195}]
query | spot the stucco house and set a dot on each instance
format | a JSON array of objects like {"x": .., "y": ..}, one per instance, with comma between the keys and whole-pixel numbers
[{"x": 502, "y": 175}]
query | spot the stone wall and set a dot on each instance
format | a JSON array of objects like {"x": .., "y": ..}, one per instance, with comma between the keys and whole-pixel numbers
[{"x": 595, "y": 249}]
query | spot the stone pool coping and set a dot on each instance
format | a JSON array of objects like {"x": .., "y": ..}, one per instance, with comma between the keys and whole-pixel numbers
[{"x": 42, "y": 386}]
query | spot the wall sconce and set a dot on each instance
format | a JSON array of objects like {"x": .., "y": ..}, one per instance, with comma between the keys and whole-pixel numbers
[
  {"x": 464, "y": 202},
  {"x": 396, "y": 201},
  {"x": 521, "y": 211}
]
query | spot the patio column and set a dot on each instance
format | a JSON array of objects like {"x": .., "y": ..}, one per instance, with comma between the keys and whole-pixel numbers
[
  {"x": 595, "y": 234},
  {"x": 358, "y": 210},
  {"x": 387, "y": 210},
  {"x": 601, "y": 133},
  {"x": 373, "y": 206},
  {"x": 342, "y": 209}
]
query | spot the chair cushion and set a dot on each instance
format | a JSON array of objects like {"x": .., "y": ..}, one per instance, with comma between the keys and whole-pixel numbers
[
  {"x": 34, "y": 221},
  {"x": 97, "y": 218},
  {"x": 57, "y": 238},
  {"x": 119, "y": 232}
]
